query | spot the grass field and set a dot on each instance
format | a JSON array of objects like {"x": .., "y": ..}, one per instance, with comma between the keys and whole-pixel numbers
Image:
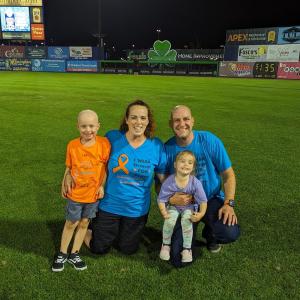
[{"x": 259, "y": 123}]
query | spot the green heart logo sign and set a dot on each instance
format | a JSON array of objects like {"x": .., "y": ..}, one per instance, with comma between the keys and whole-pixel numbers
[
  {"x": 161, "y": 52},
  {"x": 162, "y": 47}
]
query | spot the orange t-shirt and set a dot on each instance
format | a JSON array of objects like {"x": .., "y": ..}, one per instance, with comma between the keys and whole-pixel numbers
[{"x": 88, "y": 166}]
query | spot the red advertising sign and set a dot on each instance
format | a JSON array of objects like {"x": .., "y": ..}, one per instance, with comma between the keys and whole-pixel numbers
[
  {"x": 289, "y": 70},
  {"x": 37, "y": 32},
  {"x": 236, "y": 69},
  {"x": 12, "y": 51}
]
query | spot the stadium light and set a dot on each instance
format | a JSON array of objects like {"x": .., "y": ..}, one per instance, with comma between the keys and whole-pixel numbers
[{"x": 158, "y": 32}]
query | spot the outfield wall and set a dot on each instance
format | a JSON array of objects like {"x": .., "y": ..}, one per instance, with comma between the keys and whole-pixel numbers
[
  {"x": 86, "y": 59},
  {"x": 262, "y": 53},
  {"x": 49, "y": 59}
]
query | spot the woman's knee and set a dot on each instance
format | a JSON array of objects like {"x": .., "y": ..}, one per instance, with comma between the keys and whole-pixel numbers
[
  {"x": 128, "y": 249},
  {"x": 97, "y": 247}
]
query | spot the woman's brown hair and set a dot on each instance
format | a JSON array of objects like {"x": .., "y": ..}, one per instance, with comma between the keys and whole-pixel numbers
[{"x": 149, "y": 132}]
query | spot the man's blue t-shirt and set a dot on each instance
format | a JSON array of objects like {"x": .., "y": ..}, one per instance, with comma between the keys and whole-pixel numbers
[
  {"x": 211, "y": 156},
  {"x": 130, "y": 175}
]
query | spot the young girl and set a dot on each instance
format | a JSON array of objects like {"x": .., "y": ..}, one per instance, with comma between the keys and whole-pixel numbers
[{"x": 184, "y": 182}]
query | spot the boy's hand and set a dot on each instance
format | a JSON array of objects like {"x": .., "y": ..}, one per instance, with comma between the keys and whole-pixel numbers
[
  {"x": 100, "y": 192},
  {"x": 196, "y": 217},
  {"x": 67, "y": 185}
]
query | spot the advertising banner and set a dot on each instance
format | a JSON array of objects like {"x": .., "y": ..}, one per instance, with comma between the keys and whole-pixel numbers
[
  {"x": 19, "y": 64},
  {"x": 253, "y": 36},
  {"x": 199, "y": 54},
  {"x": 236, "y": 69},
  {"x": 288, "y": 70},
  {"x": 289, "y": 35},
  {"x": 47, "y": 65},
  {"x": 36, "y": 15},
  {"x": 231, "y": 53},
  {"x": 288, "y": 52},
  {"x": 81, "y": 52},
  {"x": 58, "y": 52},
  {"x": 37, "y": 32},
  {"x": 4, "y": 65},
  {"x": 21, "y": 3},
  {"x": 265, "y": 69},
  {"x": 252, "y": 53},
  {"x": 109, "y": 70},
  {"x": 35, "y": 52},
  {"x": 82, "y": 66},
  {"x": 12, "y": 51},
  {"x": 16, "y": 35},
  {"x": 136, "y": 54},
  {"x": 169, "y": 70},
  {"x": 145, "y": 69}
]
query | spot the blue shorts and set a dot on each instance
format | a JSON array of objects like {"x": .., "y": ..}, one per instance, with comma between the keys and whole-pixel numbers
[{"x": 76, "y": 211}]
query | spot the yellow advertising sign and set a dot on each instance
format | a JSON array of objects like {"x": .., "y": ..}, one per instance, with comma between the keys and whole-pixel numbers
[
  {"x": 21, "y": 2},
  {"x": 37, "y": 15},
  {"x": 271, "y": 36}
]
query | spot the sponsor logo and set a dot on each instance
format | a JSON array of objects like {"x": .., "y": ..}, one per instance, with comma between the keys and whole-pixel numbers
[
  {"x": 81, "y": 52},
  {"x": 37, "y": 32},
  {"x": 13, "y": 52},
  {"x": 36, "y": 63},
  {"x": 290, "y": 69},
  {"x": 240, "y": 67},
  {"x": 291, "y": 35},
  {"x": 251, "y": 53},
  {"x": 271, "y": 36},
  {"x": 241, "y": 37},
  {"x": 58, "y": 51},
  {"x": 162, "y": 52}
]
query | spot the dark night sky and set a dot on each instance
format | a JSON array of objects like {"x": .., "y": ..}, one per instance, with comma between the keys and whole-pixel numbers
[{"x": 199, "y": 24}]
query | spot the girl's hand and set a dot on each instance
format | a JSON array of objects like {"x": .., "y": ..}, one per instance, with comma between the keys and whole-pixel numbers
[{"x": 165, "y": 214}]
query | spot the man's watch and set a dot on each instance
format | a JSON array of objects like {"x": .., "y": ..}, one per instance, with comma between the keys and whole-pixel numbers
[{"x": 230, "y": 202}]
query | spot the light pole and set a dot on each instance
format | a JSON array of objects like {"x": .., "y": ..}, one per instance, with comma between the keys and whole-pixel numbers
[{"x": 158, "y": 32}]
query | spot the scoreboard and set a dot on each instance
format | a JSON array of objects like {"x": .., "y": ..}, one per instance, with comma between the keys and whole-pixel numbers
[{"x": 22, "y": 20}]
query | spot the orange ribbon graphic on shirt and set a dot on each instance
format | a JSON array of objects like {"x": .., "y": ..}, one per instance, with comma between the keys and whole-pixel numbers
[{"x": 122, "y": 164}]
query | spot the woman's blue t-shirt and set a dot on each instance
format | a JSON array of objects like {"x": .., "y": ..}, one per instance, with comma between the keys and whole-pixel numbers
[{"x": 130, "y": 175}]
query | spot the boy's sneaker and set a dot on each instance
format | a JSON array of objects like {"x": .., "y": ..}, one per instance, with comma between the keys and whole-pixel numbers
[
  {"x": 77, "y": 262},
  {"x": 59, "y": 261},
  {"x": 165, "y": 252},
  {"x": 186, "y": 255},
  {"x": 214, "y": 248}
]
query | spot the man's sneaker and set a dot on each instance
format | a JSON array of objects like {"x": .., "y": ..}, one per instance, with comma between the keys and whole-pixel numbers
[
  {"x": 77, "y": 262},
  {"x": 59, "y": 261},
  {"x": 186, "y": 255},
  {"x": 165, "y": 252},
  {"x": 214, "y": 248}
]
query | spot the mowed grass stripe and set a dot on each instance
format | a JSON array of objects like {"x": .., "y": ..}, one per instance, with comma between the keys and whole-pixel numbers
[{"x": 258, "y": 121}]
